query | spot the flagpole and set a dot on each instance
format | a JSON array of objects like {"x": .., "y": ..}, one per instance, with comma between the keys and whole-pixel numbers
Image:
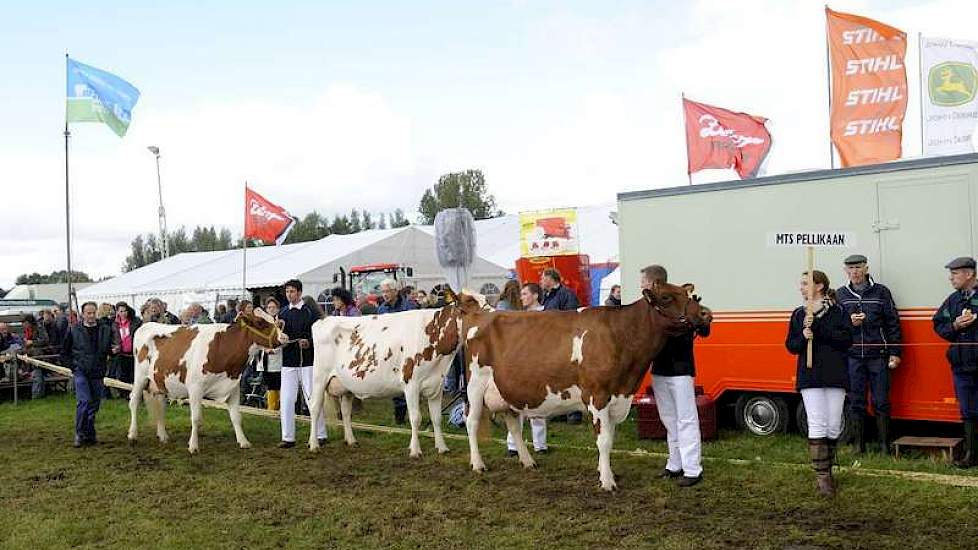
[
  {"x": 67, "y": 203},
  {"x": 920, "y": 87},
  {"x": 828, "y": 81},
  {"x": 686, "y": 133},
  {"x": 244, "y": 248}
]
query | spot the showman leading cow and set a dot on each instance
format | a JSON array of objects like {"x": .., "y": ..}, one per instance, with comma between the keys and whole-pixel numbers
[
  {"x": 544, "y": 364},
  {"x": 381, "y": 356},
  {"x": 195, "y": 362}
]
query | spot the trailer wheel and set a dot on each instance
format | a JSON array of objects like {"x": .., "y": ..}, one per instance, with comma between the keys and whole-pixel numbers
[
  {"x": 801, "y": 417},
  {"x": 762, "y": 414}
]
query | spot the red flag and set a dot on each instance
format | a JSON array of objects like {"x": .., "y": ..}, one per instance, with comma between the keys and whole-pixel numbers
[
  {"x": 718, "y": 138},
  {"x": 265, "y": 221}
]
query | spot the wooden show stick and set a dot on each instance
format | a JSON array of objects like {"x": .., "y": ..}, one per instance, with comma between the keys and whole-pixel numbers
[{"x": 809, "y": 308}]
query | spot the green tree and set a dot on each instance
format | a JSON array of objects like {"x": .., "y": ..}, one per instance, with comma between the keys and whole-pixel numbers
[
  {"x": 368, "y": 221},
  {"x": 311, "y": 227},
  {"x": 466, "y": 189},
  {"x": 355, "y": 225},
  {"x": 397, "y": 219},
  {"x": 340, "y": 225},
  {"x": 60, "y": 276}
]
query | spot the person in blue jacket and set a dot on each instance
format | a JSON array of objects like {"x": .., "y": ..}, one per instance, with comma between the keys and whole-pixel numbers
[
  {"x": 955, "y": 322},
  {"x": 85, "y": 349},
  {"x": 876, "y": 340},
  {"x": 395, "y": 302}
]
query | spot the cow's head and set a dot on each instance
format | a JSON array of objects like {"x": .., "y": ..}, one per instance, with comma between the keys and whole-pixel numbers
[
  {"x": 467, "y": 301},
  {"x": 262, "y": 329},
  {"x": 679, "y": 306}
]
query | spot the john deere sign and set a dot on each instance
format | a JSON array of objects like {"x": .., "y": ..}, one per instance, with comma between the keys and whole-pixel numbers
[{"x": 952, "y": 83}]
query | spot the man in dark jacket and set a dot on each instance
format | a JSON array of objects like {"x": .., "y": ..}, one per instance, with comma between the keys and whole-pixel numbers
[
  {"x": 395, "y": 302},
  {"x": 955, "y": 322},
  {"x": 297, "y": 318},
  {"x": 675, "y": 397},
  {"x": 85, "y": 348},
  {"x": 555, "y": 295},
  {"x": 875, "y": 349}
]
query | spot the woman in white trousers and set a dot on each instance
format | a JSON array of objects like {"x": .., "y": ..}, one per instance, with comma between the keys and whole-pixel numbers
[{"x": 823, "y": 386}]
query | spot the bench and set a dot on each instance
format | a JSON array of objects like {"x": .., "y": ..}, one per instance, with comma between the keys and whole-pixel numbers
[{"x": 945, "y": 445}]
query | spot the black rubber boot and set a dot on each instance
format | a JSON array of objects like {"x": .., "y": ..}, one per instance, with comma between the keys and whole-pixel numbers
[
  {"x": 970, "y": 458},
  {"x": 400, "y": 414},
  {"x": 858, "y": 433},
  {"x": 883, "y": 432}
]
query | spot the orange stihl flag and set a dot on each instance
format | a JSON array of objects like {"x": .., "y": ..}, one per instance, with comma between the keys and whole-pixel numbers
[
  {"x": 719, "y": 138},
  {"x": 264, "y": 220},
  {"x": 869, "y": 88}
]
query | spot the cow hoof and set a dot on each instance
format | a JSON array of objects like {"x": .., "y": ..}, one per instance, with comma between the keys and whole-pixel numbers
[
  {"x": 415, "y": 455},
  {"x": 193, "y": 451},
  {"x": 530, "y": 465},
  {"x": 609, "y": 486},
  {"x": 443, "y": 450},
  {"x": 352, "y": 443},
  {"x": 245, "y": 445},
  {"x": 479, "y": 468}
]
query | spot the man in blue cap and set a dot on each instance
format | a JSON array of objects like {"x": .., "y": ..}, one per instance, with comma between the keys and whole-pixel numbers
[
  {"x": 875, "y": 349},
  {"x": 955, "y": 322}
]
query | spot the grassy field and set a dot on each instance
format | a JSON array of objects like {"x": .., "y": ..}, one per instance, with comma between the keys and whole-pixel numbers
[{"x": 52, "y": 495}]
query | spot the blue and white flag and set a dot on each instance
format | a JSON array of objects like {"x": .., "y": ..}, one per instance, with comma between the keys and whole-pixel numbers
[{"x": 98, "y": 96}]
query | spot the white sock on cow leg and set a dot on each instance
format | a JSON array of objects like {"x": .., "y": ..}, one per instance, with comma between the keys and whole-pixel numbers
[
  {"x": 476, "y": 393},
  {"x": 434, "y": 411},
  {"x": 514, "y": 426},
  {"x": 134, "y": 397},
  {"x": 346, "y": 410},
  {"x": 606, "y": 436},
  {"x": 234, "y": 411},
  {"x": 196, "y": 413},
  {"x": 413, "y": 396}
]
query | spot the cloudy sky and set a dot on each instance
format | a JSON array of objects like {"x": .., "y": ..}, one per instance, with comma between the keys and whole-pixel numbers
[{"x": 340, "y": 105}]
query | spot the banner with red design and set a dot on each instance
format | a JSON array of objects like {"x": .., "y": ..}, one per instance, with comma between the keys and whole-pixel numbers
[
  {"x": 265, "y": 220},
  {"x": 718, "y": 138}
]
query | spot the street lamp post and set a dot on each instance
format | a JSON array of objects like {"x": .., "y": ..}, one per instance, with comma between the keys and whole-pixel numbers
[{"x": 164, "y": 245}]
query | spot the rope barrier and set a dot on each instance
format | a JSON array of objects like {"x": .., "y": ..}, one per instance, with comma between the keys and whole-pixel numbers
[{"x": 944, "y": 479}]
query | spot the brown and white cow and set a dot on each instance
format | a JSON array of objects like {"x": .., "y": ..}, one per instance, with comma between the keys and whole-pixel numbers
[
  {"x": 202, "y": 361},
  {"x": 382, "y": 356},
  {"x": 549, "y": 363}
]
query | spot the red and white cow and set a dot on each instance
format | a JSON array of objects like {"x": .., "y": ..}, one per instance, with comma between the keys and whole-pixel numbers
[
  {"x": 202, "y": 361},
  {"x": 548, "y": 363},
  {"x": 382, "y": 356}
]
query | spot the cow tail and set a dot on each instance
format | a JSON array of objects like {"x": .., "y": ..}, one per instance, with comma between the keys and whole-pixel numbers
[
  {"x": 331, "y": 404},
  {"x": 485, "y": 425}
]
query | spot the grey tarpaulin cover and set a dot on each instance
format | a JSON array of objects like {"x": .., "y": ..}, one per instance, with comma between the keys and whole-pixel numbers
[{"x": 455, "y": 245}]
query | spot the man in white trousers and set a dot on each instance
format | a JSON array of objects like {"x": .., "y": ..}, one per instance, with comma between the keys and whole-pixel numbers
[
  {"x": 530, "y": 298},
  {"x": 672, "y": 383},
  {"x": 296, "y": 361}
]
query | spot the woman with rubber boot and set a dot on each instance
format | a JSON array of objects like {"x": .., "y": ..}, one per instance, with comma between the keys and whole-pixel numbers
[{"x": 823, "y": 386}]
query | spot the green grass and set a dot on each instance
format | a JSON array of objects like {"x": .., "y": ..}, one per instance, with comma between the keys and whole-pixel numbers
[{"x": 52, "y": 495}]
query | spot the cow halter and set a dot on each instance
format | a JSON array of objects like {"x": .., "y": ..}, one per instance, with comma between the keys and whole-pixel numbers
[
  {"x": 272, "y": 335},
  {"x": 683, "y": 318}
]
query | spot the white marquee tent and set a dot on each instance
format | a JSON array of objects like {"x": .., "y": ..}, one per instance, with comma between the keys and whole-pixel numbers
[{"x": 208, "y": 277}]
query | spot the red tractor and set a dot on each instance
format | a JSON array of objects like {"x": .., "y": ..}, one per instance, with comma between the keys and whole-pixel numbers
[{"x": 364, "y": 280}]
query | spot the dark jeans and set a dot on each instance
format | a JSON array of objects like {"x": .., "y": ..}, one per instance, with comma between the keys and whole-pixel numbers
[
  {"x": 966, "y": 390},
  {"x": 88, "y": 393},
  {"x": 125, "y": 366},
  {"x": 872, "y": 373}
]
